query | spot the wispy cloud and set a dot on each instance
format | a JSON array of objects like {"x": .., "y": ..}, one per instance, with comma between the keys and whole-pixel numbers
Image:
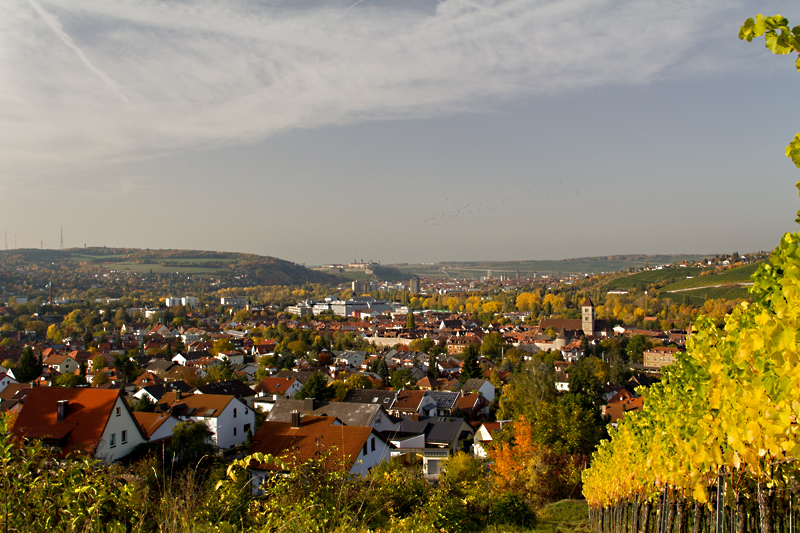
[{"x": 178, "y": 76}]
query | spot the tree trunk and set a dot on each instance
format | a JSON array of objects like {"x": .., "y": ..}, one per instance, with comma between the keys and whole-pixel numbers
[
  {"x": 645, "y": 516},
  {"x": 741, "y": 514},
  {"x": 635, "y": 515},
  {"x": 698, "y": 517},
  {"x": 670, "y": 513},
  {"x": 764, "y": 507},
  {"x": 680, "y": 515}
]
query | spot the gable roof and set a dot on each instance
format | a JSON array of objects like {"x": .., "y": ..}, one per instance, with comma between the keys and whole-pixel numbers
[
  {"x": 198, "y": 405},
  {"x": 386, "y": 398},
  {"x": 234, "y": 387},
  {"x": 150, "y": 422},
  {"x": 87, "y": 414},
  {"x": 437, "y": 429},
  {"x": 270, "y": 385},
  {"x": 315, "y": 436},
  {"x": 445, "y": 399}
]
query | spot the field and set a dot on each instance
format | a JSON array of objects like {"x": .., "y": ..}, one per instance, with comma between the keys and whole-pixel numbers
[
  {"x": 737, "y": 275},
  {"x": 648, "y": 277},
  {"x": 162, "y": 269}
]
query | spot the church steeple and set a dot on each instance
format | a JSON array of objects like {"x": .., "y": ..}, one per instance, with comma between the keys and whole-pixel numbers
[{"x": 587, "y": 317}]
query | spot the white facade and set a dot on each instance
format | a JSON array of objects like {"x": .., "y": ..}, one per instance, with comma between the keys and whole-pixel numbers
[
  {"x": 374, "y": 451},
  {"x": 6, "y": 380},
  {"x": 230, "y": 427},
  {"x": 120, "y": 436}
]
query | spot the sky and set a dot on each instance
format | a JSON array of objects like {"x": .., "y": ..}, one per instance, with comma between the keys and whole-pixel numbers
[{"x": 396, "y": 131}]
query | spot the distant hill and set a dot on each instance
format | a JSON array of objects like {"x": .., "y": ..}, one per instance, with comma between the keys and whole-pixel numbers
[
  {"x": 35, "y": 267},
  {"x": 691, "y": 284},
  {"x": 582, "y": 265}
]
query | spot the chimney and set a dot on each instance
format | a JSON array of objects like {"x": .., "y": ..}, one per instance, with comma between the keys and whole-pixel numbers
[
  {"x": 61, "y": 410},
  {"x": 415, "y": 417},
  {"x": 295, "y": 419},
  {"x": 308, "y": 404},
  {"x": 177, "y": 394}
]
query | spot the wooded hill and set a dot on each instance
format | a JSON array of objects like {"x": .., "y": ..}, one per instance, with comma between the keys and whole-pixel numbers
[{"x": 26, "y": 270}]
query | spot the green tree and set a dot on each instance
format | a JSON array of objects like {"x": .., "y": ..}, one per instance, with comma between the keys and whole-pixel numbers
[
  {"x": 470, "y": 368},
  {"x": 99, "y": 362},
  {"x": 69, "y": 381},
  {"x": 530, "y": 389},
  {"x": 433, "y": 366},
  {"x": 493, "y": 346},
  {"x": 636, "y": 347},
  {"x": 583, "y": 379},
  {"x": 26, "y": 369},
  {"x": 411, "y": 323},
  {"x": 191, "y": 441},
  {"x": 402, "y": 378},
  {"x": 127, "y": 366},
  {"x": 379, "y": 367},
  {"x": 316, "y": 387}
]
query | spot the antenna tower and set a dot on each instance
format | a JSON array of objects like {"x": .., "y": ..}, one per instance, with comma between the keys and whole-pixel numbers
[{"x": 62, "y": 236}]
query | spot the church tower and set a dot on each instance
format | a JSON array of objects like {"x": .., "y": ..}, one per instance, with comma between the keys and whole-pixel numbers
[{"x": 587, "y": 317}]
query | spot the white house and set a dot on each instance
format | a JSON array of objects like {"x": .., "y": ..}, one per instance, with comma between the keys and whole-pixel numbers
[
  {"x": 93, "y": 421},
  {"x": 228, "y": 418},
  {"x": 355, "y": 449}
]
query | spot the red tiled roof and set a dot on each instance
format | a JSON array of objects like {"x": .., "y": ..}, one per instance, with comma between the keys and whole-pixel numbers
[
  {"x": 87, "y": 414},
  {"x": 316, "y": 435},
  {"x": 150, "y": 422},
  {"x": 274, "y": 385}
]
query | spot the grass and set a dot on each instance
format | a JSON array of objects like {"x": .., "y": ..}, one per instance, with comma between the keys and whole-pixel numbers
[
  {"x": 701, "y": 294},
  {"x": 740, "y": 274},
  {"x": 652, "y": 276},
  {"x": 160, "y": 269},
  {"x": 566, "y": 516}
]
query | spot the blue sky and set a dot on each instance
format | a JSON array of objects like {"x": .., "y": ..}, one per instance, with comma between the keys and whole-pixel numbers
[{"x": 396, "y": 131}]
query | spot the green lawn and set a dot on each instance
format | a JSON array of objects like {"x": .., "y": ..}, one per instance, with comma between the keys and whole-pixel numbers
[{"x": 565, "y": 516}]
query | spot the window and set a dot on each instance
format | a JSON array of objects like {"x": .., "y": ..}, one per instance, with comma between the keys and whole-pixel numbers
[
  {"x": 234, "y": 431},
  {"x": 123, "y": 437},
  {"x": 246, "y": 411},
  {"x": 364, "y": 449},
  {"x": 246, "y": 428},
  {"x": 113, "y": 441},
  {"x": 234, "y": 412},
  {"x": 373, "y": 444},
  {"x": 117, "y": 411}
]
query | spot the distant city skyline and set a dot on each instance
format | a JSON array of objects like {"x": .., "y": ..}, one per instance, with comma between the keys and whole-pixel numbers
[{"x": 412, "y": 132}]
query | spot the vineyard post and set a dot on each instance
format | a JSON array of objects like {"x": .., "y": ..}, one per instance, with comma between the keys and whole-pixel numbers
[{"x": 720, "y": 518}]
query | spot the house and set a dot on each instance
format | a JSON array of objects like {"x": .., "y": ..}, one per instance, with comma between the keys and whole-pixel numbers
[
  {"x": 228, "y": 418},
  {"x": 660, "y": 356},
  {"x": 234, "y": 387},
  {"x": 64, "y": 364},
  {"x": 349, "y": 413},
  {"x": 156, "y": 427},
  {"x": 414, "y": 402},
  {"x": 446, "y": 401},
  {"x": 485, "y": 435},
  {"x": 6, "y": 380},
  {"x": 353, "y": 449},
  {"x": 621, "y": 403},
  {"x": 473, "y": 405},
  {"x": 440, "y": 431},
  {"x": 269, "y": 390},
  {"x": 93, "y": 421},
  {"x": 155, "y": 392},
  {"x": 482, "y": 386},
  {"x": 386, "y": 398}
]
